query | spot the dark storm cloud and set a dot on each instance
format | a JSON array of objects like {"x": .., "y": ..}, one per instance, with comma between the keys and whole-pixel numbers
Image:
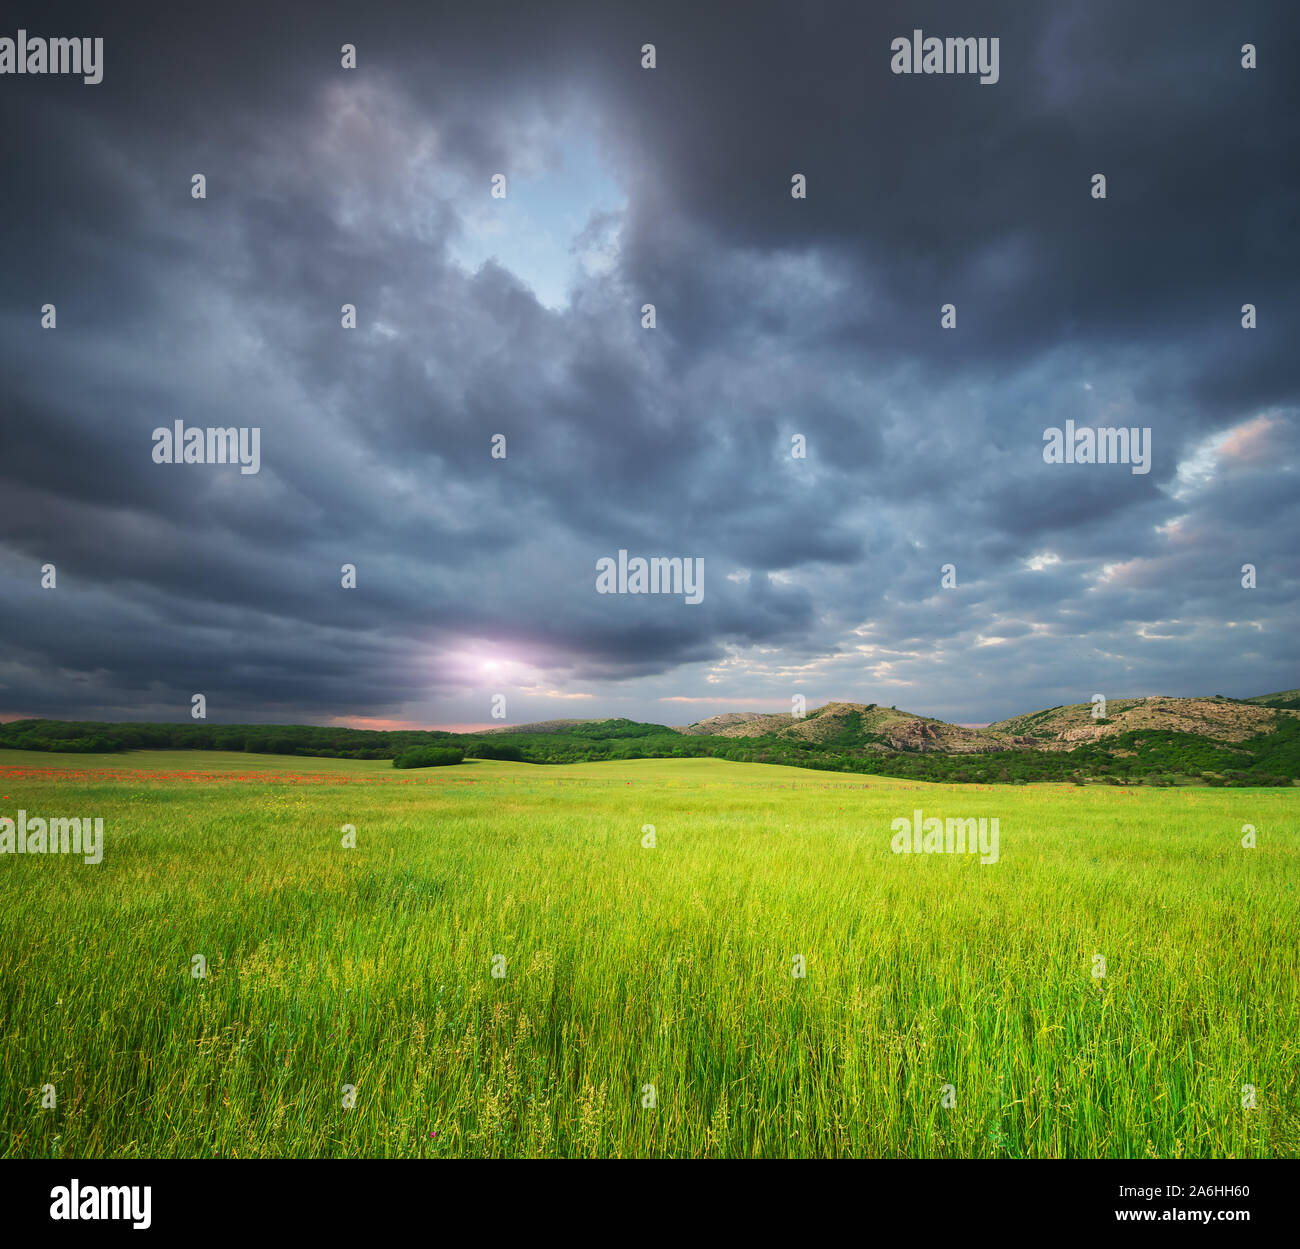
[{"x": 776, "y": 318}]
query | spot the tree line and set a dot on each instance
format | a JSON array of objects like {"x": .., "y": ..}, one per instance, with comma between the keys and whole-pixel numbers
[{"x": 1143, "y": 756}]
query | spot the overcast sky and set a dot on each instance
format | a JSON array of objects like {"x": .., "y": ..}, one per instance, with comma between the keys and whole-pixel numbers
[{"x": 522, "y": 316}]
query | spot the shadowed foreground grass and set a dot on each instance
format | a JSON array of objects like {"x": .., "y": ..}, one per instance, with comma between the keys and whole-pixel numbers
[{"x": 626, "y": 966}]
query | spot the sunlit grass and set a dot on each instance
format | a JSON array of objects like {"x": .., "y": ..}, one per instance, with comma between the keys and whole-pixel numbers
[{"x": 627, "y": 966}]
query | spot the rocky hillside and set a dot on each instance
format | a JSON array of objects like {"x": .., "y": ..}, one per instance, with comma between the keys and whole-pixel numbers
[
  {"x": 1056, "y": 728},
  {"x": 1221, "y": 719},
  {"x": 858, "y": 724},
  {"x": 876, "y": 729}
]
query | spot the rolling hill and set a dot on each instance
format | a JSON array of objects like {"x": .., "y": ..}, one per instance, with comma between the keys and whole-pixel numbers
[
  {"x": 1055, "y": 728},
  {"x": 857, "y": 724},
  {"x": 1153, "y": 739}
]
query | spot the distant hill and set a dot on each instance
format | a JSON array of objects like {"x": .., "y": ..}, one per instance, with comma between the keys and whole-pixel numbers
[
  {"x": 1056, "y": 728},
  {"x": 1288, "y": 699},
  {"x": 866, "y": 725},
  {"x": 1150, "y": 740},
  {"x": 540, "y": 726},
  {"x": 598, "y": 729},
  {"x": 1222, "y": 719}
]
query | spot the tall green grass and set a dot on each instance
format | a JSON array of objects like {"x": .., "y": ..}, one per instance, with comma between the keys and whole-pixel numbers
[{"x": 627, "y": 967}]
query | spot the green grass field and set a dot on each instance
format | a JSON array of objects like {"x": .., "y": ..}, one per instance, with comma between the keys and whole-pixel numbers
[{"x": 626, "y": 966}]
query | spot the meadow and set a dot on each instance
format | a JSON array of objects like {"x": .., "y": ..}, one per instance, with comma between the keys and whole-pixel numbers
[{"x": 949, "y": 1008}]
